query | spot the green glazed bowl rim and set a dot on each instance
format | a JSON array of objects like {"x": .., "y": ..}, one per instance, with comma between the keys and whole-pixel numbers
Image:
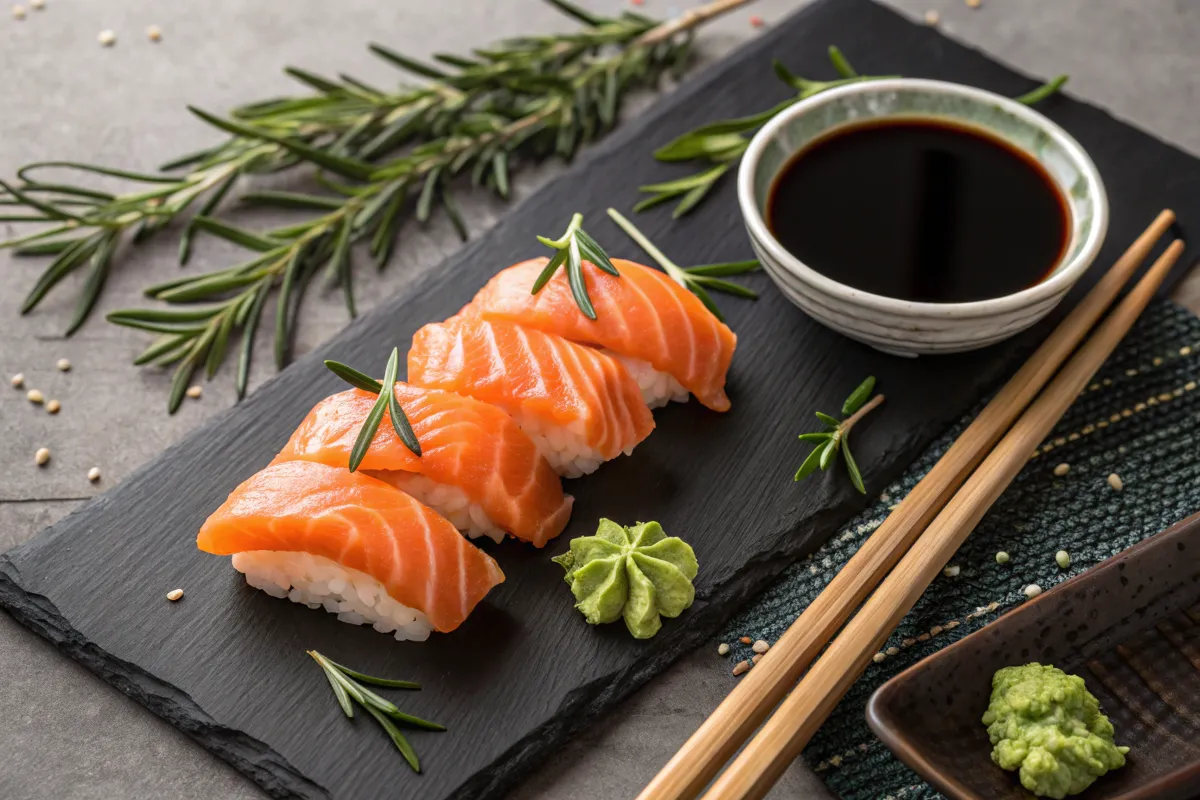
[{"x": 1065, "y": 272}]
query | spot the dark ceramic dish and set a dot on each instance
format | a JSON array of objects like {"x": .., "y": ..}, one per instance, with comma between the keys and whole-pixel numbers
[{"x": 1130, "y": 627}]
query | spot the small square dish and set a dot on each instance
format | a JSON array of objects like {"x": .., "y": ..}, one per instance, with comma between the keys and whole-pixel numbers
[{"x": 1130, "y": 627}]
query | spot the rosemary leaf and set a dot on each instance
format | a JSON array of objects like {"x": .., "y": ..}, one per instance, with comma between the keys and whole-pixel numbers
[
  {"x": 810, "y": 464},
  {"x": 339, "y": 691},
  {"x": 397, "y": 738},
  {"x": 358, "y": 676},
  {"x": 830, "y": 422},
  {"x": 859, "y": 396},
  {"x": 101, "y": 261},
  {"x": 371, "y": 425},
  {"x": 852, "y": 467},
  {"x": 236, "y": 235},
  {"x": 829, "y": 452},
  {"x": 250, "y": 328},
  {"x": 355, "y": 378},
  {"x": 820, "y": 436}
]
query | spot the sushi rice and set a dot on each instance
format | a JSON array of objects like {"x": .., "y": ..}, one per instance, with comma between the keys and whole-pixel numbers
[
  {"x": 658, "y": 388},
  {"x": 449, "y": 501},
  {"x": 318, "y": 582}
]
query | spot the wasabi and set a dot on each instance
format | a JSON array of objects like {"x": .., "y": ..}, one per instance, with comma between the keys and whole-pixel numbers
[
  {"x": 1046, "y": 724},
  {"x": 638, "y": 573}
]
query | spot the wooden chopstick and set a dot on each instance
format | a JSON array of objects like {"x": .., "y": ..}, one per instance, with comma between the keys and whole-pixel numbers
[
  {"x": 761, "y": 690},
  {"x": 785, "y": 734}
]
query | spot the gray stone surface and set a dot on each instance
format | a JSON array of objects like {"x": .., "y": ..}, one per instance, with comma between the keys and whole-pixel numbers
[{"x": 68, "y": 735}]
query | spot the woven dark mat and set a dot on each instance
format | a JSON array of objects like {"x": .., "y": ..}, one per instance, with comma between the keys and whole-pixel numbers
[{"x": 1139, "y": 419}]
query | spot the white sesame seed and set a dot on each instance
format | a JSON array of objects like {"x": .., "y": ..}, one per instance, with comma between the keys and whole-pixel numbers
[
  {"x": 18, "y": 12},
  {"x": 1114, "y": 480},
  {"x": 722, "y": 649},
  {"x": 37, "y": 4},
  {"x": 741, "y": 667},
  {"x": 154, "y": 33},
  {"x": 1032, "y": 590},
  {"x": 195, "y": 391},
  {"x": 35, "y": 396},
  {"x": 94, "y": 474},
  {"x": 63, "y": 364},
  {"x": 754, "y": 659},
  {"x": 893, "y": 651},
  {"x": 952, "y": 624},
  {"x": 760, "y": 646},
  {"x": 935, "y": 630},
  {"x": 1185, "y": 351},
  {"x": 106, "y": 38},
  {"x": 992, "y": 606},
  {"x": 1063, "y": 559},
  {"x": 174, "y": 594},
  {"x": 974, "y": 3},
  {"x": 952, "y": 571},
  {"x": 932, "y": 17},
  {"x": 924, "y": 637},
  {"x": 53, "y": 407},
  {"x": 18, "y": 380},
  {"x": 42, "y": 456},
  {"x": 1002, "y": 557},
  {"x": 1062, "y": 469}
]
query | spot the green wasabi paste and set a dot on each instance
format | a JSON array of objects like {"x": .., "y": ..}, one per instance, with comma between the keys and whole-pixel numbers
[
  {"x": 1046, "y": 724},
  {"x": 638, "y": 573}
]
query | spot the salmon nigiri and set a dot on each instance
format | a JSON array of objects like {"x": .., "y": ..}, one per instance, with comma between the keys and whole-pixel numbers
[
  {"x": 477, "y": 467},
  {"x": 325, "y": 536},
  {"x": 580, "y": 405},
  {"x": 669, "y": 341}
]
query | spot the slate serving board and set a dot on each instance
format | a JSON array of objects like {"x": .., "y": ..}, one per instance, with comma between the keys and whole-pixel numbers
[{"x": 227, "y": 664}]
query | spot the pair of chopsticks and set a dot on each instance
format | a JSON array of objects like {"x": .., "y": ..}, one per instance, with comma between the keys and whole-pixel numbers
[{"x": 905, "y": 554}]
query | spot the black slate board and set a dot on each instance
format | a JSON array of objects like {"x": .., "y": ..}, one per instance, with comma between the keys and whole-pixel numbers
[{"x": 227, "y": 664}]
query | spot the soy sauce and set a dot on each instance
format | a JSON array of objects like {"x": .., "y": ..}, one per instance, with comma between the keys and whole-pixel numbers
[{"x": 920, "y": 210}]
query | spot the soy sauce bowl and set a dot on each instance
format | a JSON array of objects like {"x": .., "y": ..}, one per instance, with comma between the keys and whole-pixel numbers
[{"x": 905, "y": 327}]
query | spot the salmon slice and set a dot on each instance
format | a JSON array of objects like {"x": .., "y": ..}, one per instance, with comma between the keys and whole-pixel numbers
[
  {"x": 579, "y": 405},
  {"x": 361, "y": 524},
  {"x": 477, "y": 468},
  {"x": 641, "y": 315}
]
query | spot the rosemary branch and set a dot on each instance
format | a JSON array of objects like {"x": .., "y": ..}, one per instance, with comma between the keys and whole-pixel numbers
[{"x": 381, "y": 156}]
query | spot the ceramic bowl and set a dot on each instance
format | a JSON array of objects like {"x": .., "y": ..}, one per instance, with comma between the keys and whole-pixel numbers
[
  {"x": 904, "y": 327},
  {"x": 1130, "y": 627}
]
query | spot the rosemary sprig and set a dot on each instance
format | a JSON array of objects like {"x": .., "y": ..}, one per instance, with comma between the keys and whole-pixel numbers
[
  {"x": 382, "y": 156},
  {"x": 347, "y": 685},
  {"x": 697, "y": 280},
  {"x": 836, "y": 437},
  {"x": 387, "y": 402},
  {"x": 720, "y": 144},
  {"x": 570, "y": 249}
]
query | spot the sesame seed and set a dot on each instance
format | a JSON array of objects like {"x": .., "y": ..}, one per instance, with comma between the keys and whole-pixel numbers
[
  {"x": 1060, "y": 441},
  {"x": 1002, "y": 557},
  {"x": 18, "y": 12},
  {"x": 1185, "y": 351},
  {"x": 952, "y": 571},
  {"x": 992, "y": 606},
  {"x": 106, "y": 38},
  {"x": 1114, "y": 480},
  {"x": 974, "y": 3},
  {"x": 1032, "y": 590},
  {"x": 17, "y": 380},
  {"x": 1129, "y": 373},
  {"x": 879, "y": 658},
  {"x": 932, "y": 17},
  {"x": 754, "y": 659},
  {"x": 35, "y": 396},
  {"x": 42, "y": 456},
  {"x": 1157, "y": 361},
  {"x": 1189, "y": 386},
  {"x": 1164, "y": 397},
  {"x": 745, "y": 639},
  {"x": 893, "y": 651},
  {"x": 723, "y": 649},
  {"x": 760, "y": 646},
  {"x": 37, "y": 4},
  {"x": 154, "y": 33},
  {"x": 935, "y": 630},
  {"x": 1063, "y": 559},
  {"x": 63, "y": 364},
  {"x": 94, "y": 474},
  {"x": 924, "y": 637},
  {"x": 952, "y": 624},
  {"x": 174, "y": 594},
  {"x": 1062, "y": 469},
  {"x": 53, "y": 407},
  {"x": 741, "y": 667},
  {"x": 908, "y": 642},
  {"x": 195, "y": 391}
]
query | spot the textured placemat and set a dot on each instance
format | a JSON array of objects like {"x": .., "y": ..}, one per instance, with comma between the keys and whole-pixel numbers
[{"x": 1139, "y": 419}]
